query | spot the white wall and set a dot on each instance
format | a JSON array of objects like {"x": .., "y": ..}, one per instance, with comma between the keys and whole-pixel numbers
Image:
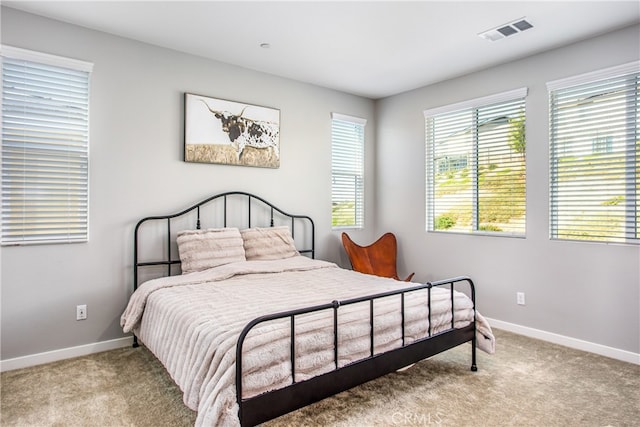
[
  {"x": 585, "y": 291},
  {"x": 136, "y": 169}
]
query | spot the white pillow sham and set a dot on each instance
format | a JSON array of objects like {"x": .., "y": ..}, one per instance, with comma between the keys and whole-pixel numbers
[
  {"x": 202, "y": 249},
  {"x": 268, "y": 243}
]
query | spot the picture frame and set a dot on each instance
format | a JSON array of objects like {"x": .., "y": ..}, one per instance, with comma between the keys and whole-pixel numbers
[{"x": 231, "y": 133}]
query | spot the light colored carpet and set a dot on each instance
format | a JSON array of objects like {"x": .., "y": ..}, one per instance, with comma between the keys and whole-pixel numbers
[{"x": 526, "y": 383}]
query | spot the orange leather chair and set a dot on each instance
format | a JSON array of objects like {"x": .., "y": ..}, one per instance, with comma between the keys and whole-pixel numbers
[{"x": 379, "y": 258}]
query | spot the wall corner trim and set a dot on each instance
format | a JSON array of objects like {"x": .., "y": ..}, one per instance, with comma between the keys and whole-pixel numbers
[
  {"x": 602, "y": 350},
  {"x": 65, "y": 353}
]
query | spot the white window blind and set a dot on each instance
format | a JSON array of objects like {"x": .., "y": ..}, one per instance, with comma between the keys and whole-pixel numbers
[
  {"x": 347, "y": 171},
  {"x": 45, "y": 135},
  {"x": 475, "y": 166},
  {"x": 595, "y": 156}
]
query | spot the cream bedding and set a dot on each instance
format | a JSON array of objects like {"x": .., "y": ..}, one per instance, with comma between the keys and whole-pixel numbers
[{"x": 192, "y": 323}]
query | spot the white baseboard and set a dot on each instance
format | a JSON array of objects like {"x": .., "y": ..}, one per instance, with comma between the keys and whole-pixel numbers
[
  {"x": 83, "y": 350},
  {"x": 603, "y": 350},
  {"x": 65, "y": 353}
]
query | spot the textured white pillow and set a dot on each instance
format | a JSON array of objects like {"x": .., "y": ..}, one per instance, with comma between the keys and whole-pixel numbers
[
  {"x": 268, "y": 243},
  {"x": 202, "y": 249}
]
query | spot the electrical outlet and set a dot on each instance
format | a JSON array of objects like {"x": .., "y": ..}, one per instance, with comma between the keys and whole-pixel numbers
[
  {"x": 520, "y": 298},
  {"x": 81, "y": 312}
]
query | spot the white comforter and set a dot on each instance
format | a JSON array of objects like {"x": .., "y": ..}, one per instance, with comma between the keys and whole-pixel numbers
[{"x": 192, "y": 322}]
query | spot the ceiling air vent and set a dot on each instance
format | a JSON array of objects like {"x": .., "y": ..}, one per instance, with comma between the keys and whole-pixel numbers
[{"x": 506, "y": 30}]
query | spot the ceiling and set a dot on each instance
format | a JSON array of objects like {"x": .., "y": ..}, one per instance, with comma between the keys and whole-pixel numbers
[{"x": 368, "y": 48}]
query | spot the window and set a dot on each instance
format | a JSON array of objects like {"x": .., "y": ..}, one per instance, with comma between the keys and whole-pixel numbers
[
  {"x": 45, "y": 132},
  {"x": 347, "y": 171},
  {"x": 475, "y": 166},
  {"x": 595, "y": 156}
]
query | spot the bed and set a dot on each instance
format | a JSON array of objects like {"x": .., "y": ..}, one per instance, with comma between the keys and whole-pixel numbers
[{"x": 229, "y": 297}]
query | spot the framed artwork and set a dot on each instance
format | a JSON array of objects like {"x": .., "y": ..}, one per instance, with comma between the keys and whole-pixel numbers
[{"x": 230, "y": 133}]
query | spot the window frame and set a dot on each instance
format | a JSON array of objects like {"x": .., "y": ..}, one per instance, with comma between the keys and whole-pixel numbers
[
  {"x": 72, "y": 117},
  {"x": 472, "y": 106},
  {"x": 580, "y": 85},
  {"x": 354, "y": 167}
]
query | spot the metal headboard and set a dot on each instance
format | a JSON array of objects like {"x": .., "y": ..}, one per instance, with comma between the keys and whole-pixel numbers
[{"x": 171, "y": 257}]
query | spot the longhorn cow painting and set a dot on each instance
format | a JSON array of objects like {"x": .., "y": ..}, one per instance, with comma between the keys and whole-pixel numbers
[{"x": 228, "y": 132}]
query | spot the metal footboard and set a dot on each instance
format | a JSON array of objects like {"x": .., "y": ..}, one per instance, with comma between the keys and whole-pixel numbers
[{"x": 263, "y": 407}]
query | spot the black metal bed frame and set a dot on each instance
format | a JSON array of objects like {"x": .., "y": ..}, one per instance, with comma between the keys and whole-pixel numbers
[
  {"x": 266, "y": 406},
  {"x": 171, "y": 259}
]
